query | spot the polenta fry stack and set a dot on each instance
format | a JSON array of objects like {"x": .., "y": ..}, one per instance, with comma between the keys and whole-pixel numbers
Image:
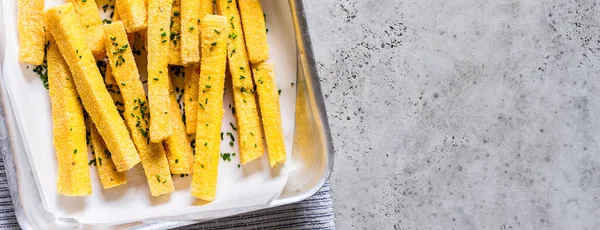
[
  {"x": 255, "y": 29},
  {"x": 133, "y": 14},
  {"x": 136, "y": 113},
  {"x": 177, "y": 146},
  {"x": 191, "y": 77},
  {"x": 189, "y": 32},
  {"x": 63, "y": 23},
  {"x": 210, "y": 113},
  {"x": 31, "y": 31},
  {"x": 268, "y": 99},
  {"x": 251, "y": 144},
  {"x": 68, "y": 127},
  {"x": 174, "y": 36},
  {"x": 158, "y": 76},
  {"x": 107, "y": 171},
  {"x": 90, "y": 19}
]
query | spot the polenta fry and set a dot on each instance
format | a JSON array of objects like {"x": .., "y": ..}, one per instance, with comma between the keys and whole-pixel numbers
[
  {"x": 68, "y": 127},
  {"x": 31, "y": 31},
  {"x": 255, "y": 29},
  {"x": 136, "y": 113},
  {"x": 190, "y": 97},
  {"x": 189, "y": 32},
  {"x": 109, "y": 78},
  {"x": 90, "y": 19},
  {"x": 174, "y": 36},
  {"x": 191, "y": 76},
  {"x": 133, "y": 14},
  {"x": 177, "y": 146},
  {"x": 158, "y": 76},
  {"x": 107, "y": 171},
  {"x": 206, "y": 8},
  {"x": 210, "y": 113},
  {"x": 116, "y": 16},
  {"x": 268, "y": 99},
  {"x": 113, "y": 90},
  {"x": 63, "y": 23},
  {"x": 251, "y": 144}
]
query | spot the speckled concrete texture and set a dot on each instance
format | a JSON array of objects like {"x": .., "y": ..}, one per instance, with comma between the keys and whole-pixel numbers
[{"x": 462, "y": 114}]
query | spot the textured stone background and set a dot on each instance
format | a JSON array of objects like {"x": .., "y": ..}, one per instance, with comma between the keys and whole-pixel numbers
[{"x": 466, "y": 114}]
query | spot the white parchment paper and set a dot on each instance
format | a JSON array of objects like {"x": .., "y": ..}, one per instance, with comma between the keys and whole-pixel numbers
[{"x": 253, "y": 185}]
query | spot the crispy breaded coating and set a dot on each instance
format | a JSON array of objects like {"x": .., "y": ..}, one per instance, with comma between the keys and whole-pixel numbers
[
  {"x": 107, "y": 171},
  {"x": 158, "y": 74},
  {"x": 190, "y": 20},
  {"x": 92, "y": 24},
  {"x": 268, "y": 98},
  {"x": 133, "y": 13},
  {"x": 68, "y": 127},
  {"x": 31, "y": 31},
  {"x": 255, "y": 30},
  {"x": 210, "y": 113},
  {"x": 174, "y": 36},
  {"x": 177, "y": 146}
]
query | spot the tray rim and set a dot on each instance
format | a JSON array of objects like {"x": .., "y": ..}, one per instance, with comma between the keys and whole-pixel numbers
[{"x": 306, "y": 60}]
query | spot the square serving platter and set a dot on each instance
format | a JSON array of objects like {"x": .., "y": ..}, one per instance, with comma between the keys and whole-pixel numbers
[{"x": 312, "y": 149}]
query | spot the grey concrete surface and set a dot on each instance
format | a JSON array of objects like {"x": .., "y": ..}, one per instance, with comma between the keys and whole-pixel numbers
[{"x": 462, "y": 114}]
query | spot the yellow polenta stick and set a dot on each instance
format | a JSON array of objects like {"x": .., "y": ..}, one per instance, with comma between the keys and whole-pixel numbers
[
  {"x": 206, "y": 8},
  {"x": 92, "y": 24},
  {"x": 174, "y": 34},
  {"x": 250, "y": 135},
  {"x": 191, "y": 77},
  {"x": 190, "y": 97},
  {"x": 268, "y": 99},
  {"x": 133, "y": 14},
  {"x": 190, "y": 53},
  {"x": 107, "y": 171},
  {"x": 66, "y": 28},
  {"x": 255, "y": 29},
  {"x": 116, "y": 16},
  {"x": 136, "y": 113},
  {"x": 31, "y": 31},
  {"x": 68, "y": 127},
  {"x": 177, "y": 146},
  {"x": 158, "y": 74},
  {"x": 210, "y": 113},
  {"x": 109, "y": 79},
  {"x": 113, "y": 89}
]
